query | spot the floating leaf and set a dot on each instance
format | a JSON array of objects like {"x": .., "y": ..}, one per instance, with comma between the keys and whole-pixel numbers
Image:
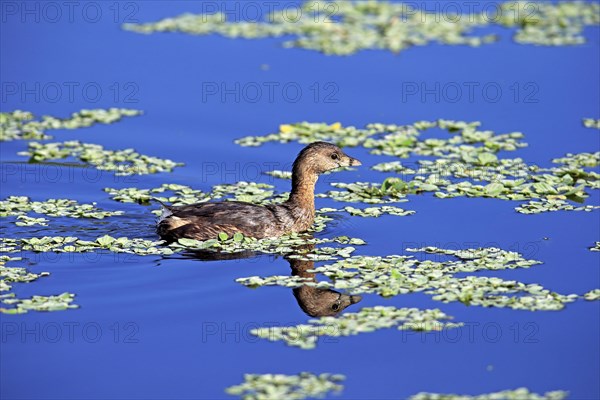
[
  {"x": 517, "y": 394},
  {"x": 19, "y": 125},
  {"x": 360, "y": 26},
  {"x": 366, "y": 320},
  {"x": 123, "y": 162},
  {"x": 293, "y": 387}
]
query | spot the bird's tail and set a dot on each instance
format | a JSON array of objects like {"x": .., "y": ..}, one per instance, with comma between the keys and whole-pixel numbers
[{"x": 166, "y": 209}]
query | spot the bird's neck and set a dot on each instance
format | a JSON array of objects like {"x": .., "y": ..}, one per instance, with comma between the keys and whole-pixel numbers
[{"x": 303, "y": 191}]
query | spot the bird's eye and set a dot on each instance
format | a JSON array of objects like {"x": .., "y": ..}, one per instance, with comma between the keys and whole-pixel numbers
[
  {"x": 335, "y": 307},
  {"x": 334, "y": 156}
]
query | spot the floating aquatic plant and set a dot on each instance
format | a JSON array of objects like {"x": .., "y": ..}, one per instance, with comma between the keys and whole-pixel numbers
[
  {"x": 516, "y": 394},
  {"x": 294, "y": 245},
  {"x": 182, "y": 195},
  {"x": 286, "y": 245},
  {"x": 466, "y": 163},
  {"x": 346, "y": 27},
  {"x": 395, "y": 275},
  {"x": 591, "y": 123},
  {"x": 368, "y": 319},
  {"x": 595, "y": 247},
  {"x": 252, "y": 192},
  {"x": 60, "y": 302},
  {"x": 293, "y": 387},
  {"x": 24, "y": 220},
  {"x": 378, "y": 211},
  {"x": 70, "y": 244},
  {"x": 124, "y": 162},
  {"x": 276, "y": 173},
  {"x": 305, "y": 132},
  {"x": 592, "y": 295},
  {"x": 364, "y": 192},
  {"x": 20, "y": 125},
  {"x": 10, "y": 275},
  {"x": 21, "y": 205},
  {"x": 549, "y": 24},
  {"x": 544, "y": 205}
]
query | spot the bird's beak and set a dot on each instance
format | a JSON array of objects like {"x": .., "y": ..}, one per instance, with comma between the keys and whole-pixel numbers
[
  {"x": 353, "y": 162},
  {"x": 355, "y": 299}
]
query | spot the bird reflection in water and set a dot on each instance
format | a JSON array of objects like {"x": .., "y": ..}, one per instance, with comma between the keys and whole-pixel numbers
[{"x": 315, "y": 302}]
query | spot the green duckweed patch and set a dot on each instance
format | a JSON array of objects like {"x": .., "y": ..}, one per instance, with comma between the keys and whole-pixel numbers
[
  {"x": 396, "y": 275},
  {"x": 19, "y": 206},
  {"x": 20, "y": 125},
  {"x": 276, "y": 173},
  {"x": 592, "y": 295},
  {"x": 294, "y": 245},
  {"x": 178, "y": 195},
  {"x": 70, "y": 244},
  {"x": 516, "y": 394},
  {"x": 259, "y": 193},
  {"x": 123, "y": 162},
  {"x": 369, "y": 319},
  {"x": 295, "y": 387},
  {"x": 347, "y": 27},
  {"x": 464, "y": 162},
  {"x": 306, "y": 132},
  {"x": 377, "y": 211},
  {"x": 24, "y": 220},
  {"x": 181, "y": 195},
  {"x": 300, "y": 246},
  {"x": 10, "y": 275},
  {"x": 545, "y": 205},
  {"x": 364, "y": 192},
  {"x": 580, "y": 160},
  {"x": 548, "y": 24},
  {"x": 591, "y": 123},
  {"x": 60, "y": 302}
]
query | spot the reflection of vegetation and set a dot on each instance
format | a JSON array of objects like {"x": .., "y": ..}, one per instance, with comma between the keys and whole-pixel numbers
[
  {"x": 517, "y": 394},
  {"x": 466, "y": 163},
  {"x": 293, "y": 387},
  {"x": 21, "y": 125},
  {"x": 10, "y": 275},
  {"x": 346, "y": 27},
  {"x": 367, "y": 319}
]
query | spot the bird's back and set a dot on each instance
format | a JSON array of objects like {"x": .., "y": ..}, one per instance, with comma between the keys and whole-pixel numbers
[{"x": 206, "y": 220}]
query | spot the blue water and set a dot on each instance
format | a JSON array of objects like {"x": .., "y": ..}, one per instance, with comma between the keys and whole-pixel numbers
[{"x": 178, "y": 328}]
